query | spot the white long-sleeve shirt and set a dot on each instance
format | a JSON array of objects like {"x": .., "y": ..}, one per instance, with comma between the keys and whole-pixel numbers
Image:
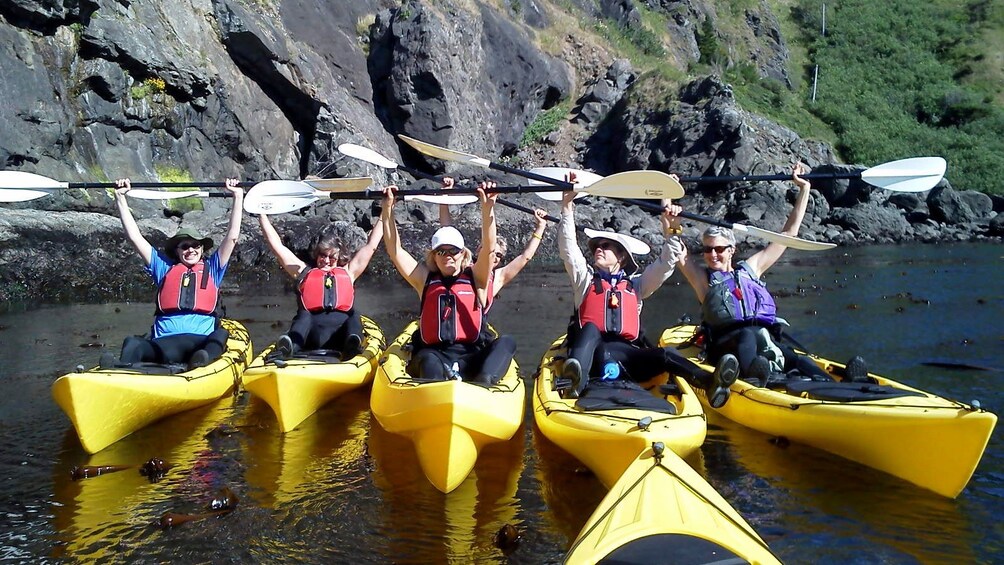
[{"x": 581, "y": 273}]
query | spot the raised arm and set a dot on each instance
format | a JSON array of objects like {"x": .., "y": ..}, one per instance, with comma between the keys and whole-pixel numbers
[
  {"x": 764, "y": 259},
  {"x": 505, "y": 274},
  {"x": 287, "y": 259},
  {"x": 362, "y": 257},
  {"x": 568, "y": 248},
  {"x": 412, "y": 271},
  {"x": 693, "y": 272},
  {"x": 662, "y": 268},
  {"x": 129, "y": 223},
  {"x": 234, "y": 229},
  {"x": 445, "y": 219},
  {"x": 489, "y": 232}
]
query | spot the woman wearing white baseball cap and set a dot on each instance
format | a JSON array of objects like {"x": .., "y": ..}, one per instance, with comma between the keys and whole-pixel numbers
[
  {"x": 453, "y": 332},
  {"x": 605, "y": 333}
]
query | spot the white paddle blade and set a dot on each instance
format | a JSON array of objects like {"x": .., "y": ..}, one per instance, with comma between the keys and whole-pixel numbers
[
  {"x": 916, "y": 174},
  {"x": 786, "y": 240},
  {"x": 555, "y": 196},
  {"x": 23, "y": 194},
  {"x": 582, "y": 178},
  {"x": 279, "y": 197},
  {"x": 366, "y": 154},
  {"x": 443, "y": 198},
  {"x": 443, "y": 153},
  {"x": 144, "y": 194},
  {"x": 637, "y": 184},
  {"x": 349, "y": 184},
  {"x": 19, "y": 179},
  {"x": 634, "y": 245}
]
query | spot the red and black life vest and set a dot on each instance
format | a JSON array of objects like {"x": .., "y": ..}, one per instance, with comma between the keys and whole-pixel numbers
[
  {"x": 189, "y": 290},
  {"x": 326, "y": 291},
  {"x": 612, "y": 308},
  {"x": 451, "y": 311}
]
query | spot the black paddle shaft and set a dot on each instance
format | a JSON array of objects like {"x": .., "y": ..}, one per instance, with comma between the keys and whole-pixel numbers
[
  {"x": 652, "y": 206},
  {"x": 194, "y": 184}
]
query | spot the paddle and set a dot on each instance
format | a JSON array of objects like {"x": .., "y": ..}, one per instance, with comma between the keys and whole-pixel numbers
[
  {"x": 18, "y": 186},
  {"x": 144, "y": 194},
  {"x": 631, "y": 184},
  {"x": 916, "y": 174},
  {"x": 638, "y": 244},
  {"x": 374, "y": 158},
  {"x": 786, "y": 240}
]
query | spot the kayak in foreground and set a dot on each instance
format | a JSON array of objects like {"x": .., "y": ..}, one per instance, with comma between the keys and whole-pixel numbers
[
  {"x": 448, "y": 421},
  {"x": 295, "y": 388},
  {"x": 931, "y": 441},
  {"x": 106, "y": 405},
  {"x": 611, "y": 423},
  {"x": 660, "y": 511}
]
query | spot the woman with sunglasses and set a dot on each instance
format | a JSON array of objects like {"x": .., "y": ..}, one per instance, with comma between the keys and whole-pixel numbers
[
  {"x": 186, "y": 326},
  {"x": 605, "y": 332},
  {"x": 501, "y": 275},
  {"x": 738, "y": 312},
  {"x": 452, "y": 340},
  {"x": 325, "y": 316}
]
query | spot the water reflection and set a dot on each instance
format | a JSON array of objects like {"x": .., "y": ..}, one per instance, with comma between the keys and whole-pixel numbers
[
  {"x": 450, "y": 528},
  {"x": 319, "y": 456},
  {"x": 95, "y": 517},
  {"x": 821, "y": 496}
]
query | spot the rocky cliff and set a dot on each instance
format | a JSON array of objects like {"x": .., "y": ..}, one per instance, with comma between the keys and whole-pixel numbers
[{"x": 176, "y": 90}]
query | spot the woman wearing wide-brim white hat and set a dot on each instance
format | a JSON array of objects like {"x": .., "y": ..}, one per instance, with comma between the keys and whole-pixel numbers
[{"x": 605, "y": 333}]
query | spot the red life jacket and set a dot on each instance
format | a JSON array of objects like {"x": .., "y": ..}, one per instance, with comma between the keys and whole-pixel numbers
[
  {"x": 187, "y": 290},
  {"x": 613, "y": 309},
  {"x": 451, "y": 311},
  {"x": 324, "y": 291}
]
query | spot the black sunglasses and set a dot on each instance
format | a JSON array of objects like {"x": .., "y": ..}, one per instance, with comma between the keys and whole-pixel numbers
[
  {"x": 719, "y": 249},
  {"x": 448, "y": 251},
  {"x": 189, "y": 245}
]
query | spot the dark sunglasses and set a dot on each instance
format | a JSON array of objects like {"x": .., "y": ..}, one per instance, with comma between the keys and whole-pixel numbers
[
  {"x": 448, "y": 251},
  {"x": 606, "y": 245},
  {"x": 189, "y": 245},
  {"x": 499, "y": 255},
  {"x": 719, "y": 249}
]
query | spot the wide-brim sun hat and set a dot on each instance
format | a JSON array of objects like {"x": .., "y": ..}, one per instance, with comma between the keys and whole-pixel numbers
[
  {"x": 629, "y": 244},
  {"x": 171, "y": 245},
  {"x": 448, "y": 235}
]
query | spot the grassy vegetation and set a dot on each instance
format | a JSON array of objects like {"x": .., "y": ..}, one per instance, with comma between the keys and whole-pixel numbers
[
  {"x": 547, "y": 121},
  {"x": 902, "y": 78},
  {"x": 150, "y": 85}
]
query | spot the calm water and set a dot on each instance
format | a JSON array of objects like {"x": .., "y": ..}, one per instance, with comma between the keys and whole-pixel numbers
[{"x": 338, "y": 488}]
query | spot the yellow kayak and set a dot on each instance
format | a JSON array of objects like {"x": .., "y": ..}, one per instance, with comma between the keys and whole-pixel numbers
[
  {"x": 928, "y": 440},
  {"x": 661, "y": 510},
  {"x": 448, "y": 421},
  {"x": 301, "y": 385},
  {"x": 106, "y": 405},
  {"x": 608, "y": 440}
]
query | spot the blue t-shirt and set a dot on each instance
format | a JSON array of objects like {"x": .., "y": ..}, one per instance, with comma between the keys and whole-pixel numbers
[{"x": 183, "y": 323}]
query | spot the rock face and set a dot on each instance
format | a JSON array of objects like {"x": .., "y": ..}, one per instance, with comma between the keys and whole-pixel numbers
[{"x": 180, "y": 90}]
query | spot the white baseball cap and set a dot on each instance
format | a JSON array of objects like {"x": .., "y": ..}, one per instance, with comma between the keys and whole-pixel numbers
[{"x": 448, "y": 235}]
